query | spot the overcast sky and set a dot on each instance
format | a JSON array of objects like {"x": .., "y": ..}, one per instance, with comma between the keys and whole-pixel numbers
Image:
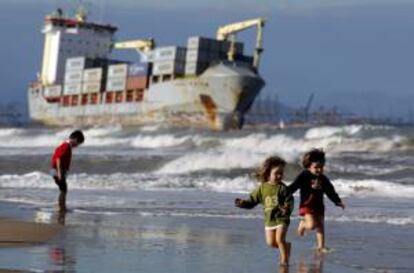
[{"x": 357, "y": 55}]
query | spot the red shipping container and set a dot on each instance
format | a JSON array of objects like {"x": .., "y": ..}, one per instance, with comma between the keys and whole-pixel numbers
[
  {"x": 66, "y": 100},
  {"x": 109, "y": 97},
  {"x": 137, "y": 82},
  {"x": 84, "y": 99},
  {"x": 74, "y": 100},
  {"x": 94, "y": 98}
]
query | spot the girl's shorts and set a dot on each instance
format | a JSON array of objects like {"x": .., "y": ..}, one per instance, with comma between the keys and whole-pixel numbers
[{"x": 276, "y": 227}]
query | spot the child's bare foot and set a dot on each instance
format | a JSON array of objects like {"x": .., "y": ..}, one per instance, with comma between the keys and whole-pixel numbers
[
  {"x": 324, "y": 249},
  {"x": 301, "y": 229}
]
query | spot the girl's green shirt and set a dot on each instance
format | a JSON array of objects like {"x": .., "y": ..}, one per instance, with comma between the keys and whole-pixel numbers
[{"x": 274, "y": 198}]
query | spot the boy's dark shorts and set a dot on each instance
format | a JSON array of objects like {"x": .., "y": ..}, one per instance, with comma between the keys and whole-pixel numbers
[{"x": 61, "y": 183}]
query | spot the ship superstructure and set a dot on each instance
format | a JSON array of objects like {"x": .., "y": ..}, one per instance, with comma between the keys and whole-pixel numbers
[{"x": 208, "y": 83}]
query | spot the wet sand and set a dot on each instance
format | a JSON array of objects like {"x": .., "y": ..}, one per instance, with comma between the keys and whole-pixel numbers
[
  {"x": 126, "y": 242},
  {"x": 14, "y": 233}
]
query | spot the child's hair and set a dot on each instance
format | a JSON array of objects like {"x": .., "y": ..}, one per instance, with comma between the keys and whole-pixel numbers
[
  {"x": 314, "y": 155},
  {"x": 78, "y": 135},
  {"x": 262, "y": 173}
]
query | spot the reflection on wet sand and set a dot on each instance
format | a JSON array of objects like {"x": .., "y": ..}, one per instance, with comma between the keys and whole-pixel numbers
[
  {"x": 59, "y": 255},
  {"x": 315, "y": 265}
]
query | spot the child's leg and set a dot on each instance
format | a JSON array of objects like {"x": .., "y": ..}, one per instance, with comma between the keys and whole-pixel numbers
[
  {"x": 283, "y": 245},
  {"x": 62, "y": 201},
  {"x": 63, "y": 188},
  {"x": 320, "y": 233},
  {"x": 271, "y": 238},
  {"x": 307, "y": 223}
]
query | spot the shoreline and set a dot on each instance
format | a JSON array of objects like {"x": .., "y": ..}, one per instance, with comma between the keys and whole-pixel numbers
[{"x": 185, "y": 244}]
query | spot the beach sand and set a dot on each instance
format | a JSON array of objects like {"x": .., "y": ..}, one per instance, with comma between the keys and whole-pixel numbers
[
  {"x": 95, "y": 242},
  {"x": 23, "y": 233}
]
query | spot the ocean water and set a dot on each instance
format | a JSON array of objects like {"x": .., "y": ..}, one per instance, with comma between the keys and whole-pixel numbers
[{"x": 155, "y": 173}]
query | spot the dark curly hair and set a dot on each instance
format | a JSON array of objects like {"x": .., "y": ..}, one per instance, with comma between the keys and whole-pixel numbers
[
  {"x": 314, "y": 155},
  {"x": 262, "y": 173}
]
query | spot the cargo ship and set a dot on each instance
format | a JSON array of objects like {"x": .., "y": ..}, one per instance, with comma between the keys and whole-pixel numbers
[{"x": 209, "y": 83}]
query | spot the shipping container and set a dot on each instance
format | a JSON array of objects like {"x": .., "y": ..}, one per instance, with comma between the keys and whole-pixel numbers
[
  {"x": 225, "y": 47},
  {"x": 92, "y": 74},
  {"x": 170, "y": 53},
  {"x": 118, "y": 71},
  {"x": 116, "y": 84},
  {"x": 199, "y": 43},
  {"x": 244, "y": 59},
  {"x": 53, "y": 91},
  {"x": 72, "y": 88},
  {"x": 137, "y": 82},
  {"x": 92, "y": 87},
  {"x": 194, "y": 55},
  {"x": 168, "y": 67},
  {"x": 137, "y": 69},
  {"x": 73, "y": 76},
  {"x": 214, "y": 45},
  {"x": 195, "y": 68},
  {"x": 78, "y": 63}
]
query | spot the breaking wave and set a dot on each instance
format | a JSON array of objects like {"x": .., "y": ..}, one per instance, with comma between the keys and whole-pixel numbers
[{"x": 239, "y": 184}]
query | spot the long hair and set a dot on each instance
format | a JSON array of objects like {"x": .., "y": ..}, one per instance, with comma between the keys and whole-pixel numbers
[{"x": 262, "y": 173}]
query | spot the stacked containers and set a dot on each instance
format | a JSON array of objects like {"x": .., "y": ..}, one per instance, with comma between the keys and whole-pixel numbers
[
  {"x": 169, "y": 61},
  {"x": 93, "y": 80},
  {"x": 202, "y": 51},
  {"x": 117, "y": 76},
  {"x": 198, "y": 55},
  {"x": 74, "y": 74}
]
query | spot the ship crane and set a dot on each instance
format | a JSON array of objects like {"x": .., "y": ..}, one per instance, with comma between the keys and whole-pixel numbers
[
  {"x": 141, "y": 46},
  {"x": 227, "y": 32}
]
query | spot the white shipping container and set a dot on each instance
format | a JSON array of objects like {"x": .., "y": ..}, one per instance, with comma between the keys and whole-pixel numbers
[
  {"x": 116, "y": 84},
  {"x": 72, "y": 89},
  {"x": 91, "y": 87},
  {"x": 118, "y": 71},
  {"x": 53, "y": 91},
  {"x": 76, "y": 63},
  {"x": 74, "y": 76},
  {"x": 92, "y": 74},
  {"x": 168, "y": 67},
  {"x": 170, "y": 53}
]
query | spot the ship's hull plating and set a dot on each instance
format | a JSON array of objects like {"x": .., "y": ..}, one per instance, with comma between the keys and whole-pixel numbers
[{"x": 218, "y": 100}]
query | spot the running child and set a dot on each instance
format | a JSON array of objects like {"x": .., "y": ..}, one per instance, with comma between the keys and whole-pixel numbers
[
  {"x": 60, "y": 164},
  {"x": 313, "y": 184},
  {"x": 277, "y": 205}
]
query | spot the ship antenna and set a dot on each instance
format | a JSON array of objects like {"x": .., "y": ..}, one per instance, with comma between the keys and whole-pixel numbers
[{"x": 81, "y": 13}]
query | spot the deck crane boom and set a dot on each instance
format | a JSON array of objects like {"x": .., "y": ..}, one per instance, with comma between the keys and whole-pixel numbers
[
  {"x": 141, "y": 46},
  {"x": 229, "y": 31}
]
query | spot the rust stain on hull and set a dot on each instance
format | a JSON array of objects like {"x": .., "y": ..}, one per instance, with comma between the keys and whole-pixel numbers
[{"x": 211, "y": 109}]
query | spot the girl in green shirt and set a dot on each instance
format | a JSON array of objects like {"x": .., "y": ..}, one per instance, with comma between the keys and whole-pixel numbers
[{"x": 277, "y": 205}]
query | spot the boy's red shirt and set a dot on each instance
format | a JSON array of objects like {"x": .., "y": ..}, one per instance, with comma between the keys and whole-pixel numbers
[{"x": 64, "y": 153}]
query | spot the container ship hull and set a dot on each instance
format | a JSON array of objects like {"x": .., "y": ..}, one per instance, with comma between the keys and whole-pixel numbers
[
  {"x": 208, "y": 83},
  {"x": 217, "y": 99}
]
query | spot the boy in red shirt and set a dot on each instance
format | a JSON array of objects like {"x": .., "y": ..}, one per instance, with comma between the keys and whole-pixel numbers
[{"x": 61, "y": 163}]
